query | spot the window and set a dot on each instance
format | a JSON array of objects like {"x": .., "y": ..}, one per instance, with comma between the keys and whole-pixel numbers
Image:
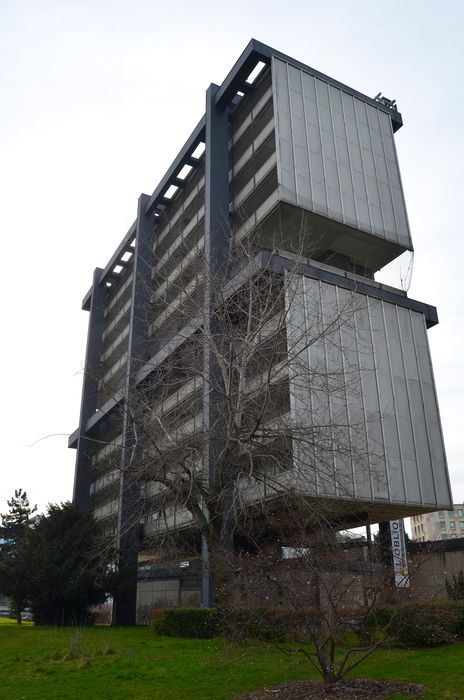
[
  {"x": 451, "y": 513},
  {"x": 452, "y": 525},
  {"x": 442, "y": 525},
  {"x": 441, "y": 514},
  {"x": 461, "y": 525},
  {"x": 443, "y": 537},
  {"x": 459, "y": 512}
]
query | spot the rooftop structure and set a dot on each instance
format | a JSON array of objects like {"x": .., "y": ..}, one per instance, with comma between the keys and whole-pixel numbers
[{"x": 289, "y": 188}]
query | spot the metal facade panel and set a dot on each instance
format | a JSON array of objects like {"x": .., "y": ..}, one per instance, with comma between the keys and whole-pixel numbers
[
  {"x": 336, "y": 155},
  {"x": 362, "y": 366}
]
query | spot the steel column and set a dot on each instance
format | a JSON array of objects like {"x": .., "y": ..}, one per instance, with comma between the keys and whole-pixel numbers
[
  {"x": 92, "y": 374},
  {"x": 217, "y": 241},
  {"x": 124, "y": 605}
]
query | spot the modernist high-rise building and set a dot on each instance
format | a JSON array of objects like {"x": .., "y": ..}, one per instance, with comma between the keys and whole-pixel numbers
[{"x": 291, "y": 180}]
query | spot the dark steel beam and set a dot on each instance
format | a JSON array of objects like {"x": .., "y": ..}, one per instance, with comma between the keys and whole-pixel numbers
[
  {"x": 188, "y": 330},
  {"x": 279, "y": 263},
  {"x": 217, "y": 219},
  {"x": 238, "y": 75},
  {"x": 120, "y": 250},
  {"x": 257, "y": 51},
  {"x": 86, "y": 300},
  {"x": 216, "y": 247},
  {"x": 182, "y": 158},
  {"x": 92, "y": 373},
  {"x": 73, "y": 439},
  {"x": 104, "y": 410}
]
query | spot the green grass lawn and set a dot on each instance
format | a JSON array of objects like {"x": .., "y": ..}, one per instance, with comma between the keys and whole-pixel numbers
[{"x": 116, "y": 664}]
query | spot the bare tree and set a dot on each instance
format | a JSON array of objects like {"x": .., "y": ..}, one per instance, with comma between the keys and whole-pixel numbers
[
  {"x": 242, "y": 420},
  {"x": 324, "y": 593}
]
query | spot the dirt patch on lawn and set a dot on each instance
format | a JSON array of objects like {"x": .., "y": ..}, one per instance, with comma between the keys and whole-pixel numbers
[{"x": 347, "y": 690}]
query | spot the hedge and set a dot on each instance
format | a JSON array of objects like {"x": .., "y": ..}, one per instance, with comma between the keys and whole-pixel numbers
[
  {"x": 417, "y": 624},
  {"x": 409, "y": 624},
  {"x": 199, "y": 623},
  {"x": 238, "y": 625},
  {"x": 268, "y": 624}
]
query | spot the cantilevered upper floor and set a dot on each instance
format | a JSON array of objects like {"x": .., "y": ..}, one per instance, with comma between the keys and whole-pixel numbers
[{"x": 307, "y": 155}]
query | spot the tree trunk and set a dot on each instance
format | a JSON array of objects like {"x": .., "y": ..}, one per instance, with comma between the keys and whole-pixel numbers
[
  {"x": 17, "y": 608},
  {"x": 221, "y": 562}
]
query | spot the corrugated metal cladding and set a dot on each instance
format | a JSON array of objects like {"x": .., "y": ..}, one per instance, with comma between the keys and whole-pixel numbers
[
  {"x": 364, "y": 364},
  {"x": 336, "y": 155}
]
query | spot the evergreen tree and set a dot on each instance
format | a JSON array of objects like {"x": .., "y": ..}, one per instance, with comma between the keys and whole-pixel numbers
[
  {"x": 13, "y": 562},
  {"x": 65, "y": 566}
]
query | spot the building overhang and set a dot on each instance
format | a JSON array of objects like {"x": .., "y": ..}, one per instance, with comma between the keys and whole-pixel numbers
[
  {"x": 280, "y": 262},
  {"x": 233, "y": 88}
]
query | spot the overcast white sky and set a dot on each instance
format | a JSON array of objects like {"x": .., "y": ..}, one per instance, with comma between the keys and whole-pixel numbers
[{"x": 97, "y": 97}]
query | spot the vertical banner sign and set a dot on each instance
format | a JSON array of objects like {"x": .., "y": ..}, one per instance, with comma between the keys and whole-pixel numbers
[{"x": 400, "y": 560}]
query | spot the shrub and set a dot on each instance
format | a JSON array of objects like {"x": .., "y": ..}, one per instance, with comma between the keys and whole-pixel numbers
[
  {"x": 376, "y": 623},
  {"x": 269, "y": 624},
  {"x": 199, "y": 623},
  {"x": 458, "y": 608},
  {"x": 416, "y": 624},
  {"x": 424, "y": 624},
  {"x": 455, "y": 589}
]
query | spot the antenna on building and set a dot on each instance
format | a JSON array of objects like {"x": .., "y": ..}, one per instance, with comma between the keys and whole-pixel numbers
[{"x": 385, "y": 101}]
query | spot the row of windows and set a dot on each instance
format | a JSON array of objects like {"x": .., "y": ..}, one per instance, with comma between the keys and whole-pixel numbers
[
  {"x": 443, "y": 537},
  {"x": 419, "y": 529},
  {"x": 452, "y": 525},
  {"x": 458, "y": 513}
]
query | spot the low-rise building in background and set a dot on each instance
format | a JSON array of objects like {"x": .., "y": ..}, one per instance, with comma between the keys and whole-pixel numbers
[{"x": 440, "y": 525}]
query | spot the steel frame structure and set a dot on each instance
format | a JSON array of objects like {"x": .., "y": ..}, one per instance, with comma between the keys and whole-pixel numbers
[{"x": 212, "y": 131}]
